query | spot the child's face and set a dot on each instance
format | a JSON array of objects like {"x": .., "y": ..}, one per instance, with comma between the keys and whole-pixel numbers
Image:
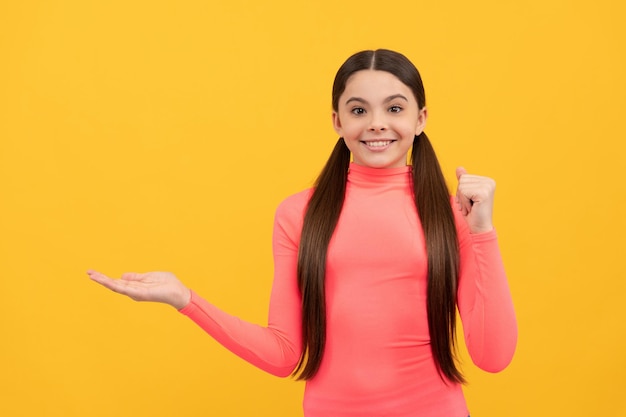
[{"x": 378, "y": 117}]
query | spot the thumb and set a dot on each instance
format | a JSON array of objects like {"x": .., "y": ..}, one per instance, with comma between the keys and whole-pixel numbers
[
  {"x": 460, "y": 171},
  {"x": 465, "y": 204}
]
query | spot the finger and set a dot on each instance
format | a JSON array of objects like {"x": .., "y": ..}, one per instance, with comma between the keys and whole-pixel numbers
[
  {"x": 132, "y": 276},
  {"x": 478, "y": 189},
  {"x": 97, "y": 276},
  {"x": 116, "y": 285},
  {"x": 101, "y": 279},
  {"x": 464, "y": 202},
  {"x": 460, "y": 171},
  {"x": 459, "y": 205}
]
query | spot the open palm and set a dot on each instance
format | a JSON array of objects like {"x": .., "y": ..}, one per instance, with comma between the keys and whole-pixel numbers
[{"x": 162, "y": 287}]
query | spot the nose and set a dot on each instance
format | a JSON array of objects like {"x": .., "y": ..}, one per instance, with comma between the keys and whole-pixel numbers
[{"x": 377, "y": 123}]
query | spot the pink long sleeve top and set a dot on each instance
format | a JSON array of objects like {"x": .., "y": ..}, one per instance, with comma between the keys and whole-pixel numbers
[{"x": 377, "y": 360}]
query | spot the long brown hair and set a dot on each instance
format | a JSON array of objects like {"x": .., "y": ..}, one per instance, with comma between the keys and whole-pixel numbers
[{"x": 432, "y": 201}]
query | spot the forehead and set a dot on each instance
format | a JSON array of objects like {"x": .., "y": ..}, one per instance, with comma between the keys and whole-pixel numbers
[{"x": 375, "y": 84}]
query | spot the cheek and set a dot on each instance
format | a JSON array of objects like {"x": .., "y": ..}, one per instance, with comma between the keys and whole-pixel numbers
[
  {"x": 351, "y": 143},
  {"x": 410, "y": 129},
  {"x": 352, "y": 130}
]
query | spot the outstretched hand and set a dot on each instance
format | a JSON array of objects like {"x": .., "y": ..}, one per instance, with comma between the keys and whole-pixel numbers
[
  {"x": 474, "y": 198},
  {"x": 161, "y": 287}
]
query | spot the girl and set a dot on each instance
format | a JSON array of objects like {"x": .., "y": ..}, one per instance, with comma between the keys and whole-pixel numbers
[{"x": 371, "y": 265}]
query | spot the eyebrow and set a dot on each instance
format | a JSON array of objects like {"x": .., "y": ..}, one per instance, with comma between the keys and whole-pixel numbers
[{"x": 388, "y": 99}]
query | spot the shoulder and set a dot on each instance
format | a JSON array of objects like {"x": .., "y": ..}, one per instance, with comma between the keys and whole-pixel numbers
[
  {"x": 295, "y": 203},
  {"x": 291, "y": 209},
  {"x": 290, "y": 217}
]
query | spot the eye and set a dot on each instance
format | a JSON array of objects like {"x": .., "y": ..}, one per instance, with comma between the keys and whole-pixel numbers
[
  {"x": 395, "y": 109},
  {"x": 358, "y": 111}
]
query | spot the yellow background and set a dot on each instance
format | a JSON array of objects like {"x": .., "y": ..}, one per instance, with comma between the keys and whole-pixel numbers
[{"x": 143, "y": 135}]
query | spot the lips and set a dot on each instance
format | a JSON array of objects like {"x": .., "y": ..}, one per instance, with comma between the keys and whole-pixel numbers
[{"x": 380, "y": 144}]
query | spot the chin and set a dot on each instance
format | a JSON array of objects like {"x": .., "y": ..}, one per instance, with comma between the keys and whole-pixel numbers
[{"x": 378, "y": 164}]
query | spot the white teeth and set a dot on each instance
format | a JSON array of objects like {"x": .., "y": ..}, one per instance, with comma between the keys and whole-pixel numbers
[{"x": 378, "y": 143}]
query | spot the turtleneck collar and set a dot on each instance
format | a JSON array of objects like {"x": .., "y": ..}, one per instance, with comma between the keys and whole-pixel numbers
[{"x": 360, "y": 174}]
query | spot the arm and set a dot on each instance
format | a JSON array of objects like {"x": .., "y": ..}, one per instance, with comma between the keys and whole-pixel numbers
[
  {"x": 275, "y": 348},
  {"x": 485, "y": 303},
  {"x": 484, "y": 298}
]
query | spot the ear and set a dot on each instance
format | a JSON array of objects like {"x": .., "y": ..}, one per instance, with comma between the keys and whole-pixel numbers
[
  {"x": 421, "y": 121},
  {"x": 337, "y": 124}
]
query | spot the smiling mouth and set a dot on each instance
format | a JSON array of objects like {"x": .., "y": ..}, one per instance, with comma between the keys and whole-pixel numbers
[{"x": 377, "y": 143}]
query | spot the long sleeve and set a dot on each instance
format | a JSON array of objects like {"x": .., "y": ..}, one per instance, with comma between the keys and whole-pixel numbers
[
  {"x": 484, "y": 301},
  {"x": 275, "y": 348}
]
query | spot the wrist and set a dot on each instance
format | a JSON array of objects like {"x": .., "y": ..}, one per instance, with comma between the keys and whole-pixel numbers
[
  {"x": 482, "y": 229},
  {"x": 182, "y": 299}
]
